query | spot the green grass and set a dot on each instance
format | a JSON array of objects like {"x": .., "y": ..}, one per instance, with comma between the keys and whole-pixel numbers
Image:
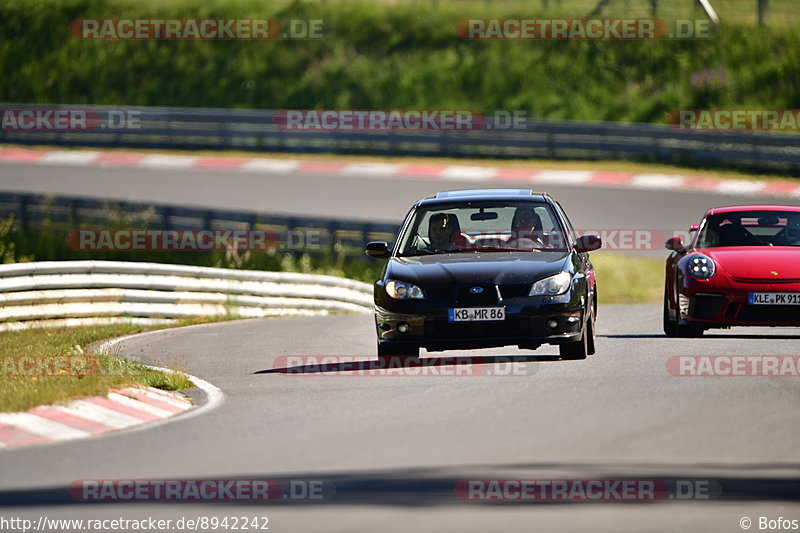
[
  {"x": 21, "y": 392},
  {"x": 625, "y": 279},
  {"x": 398, "y": 56}
]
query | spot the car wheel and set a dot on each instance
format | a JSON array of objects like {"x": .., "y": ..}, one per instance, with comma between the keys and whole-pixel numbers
[
  {"x": 670, "y": 326},
  {"x": 400, "y": 351},
  {"x": 688, "y": 331},
  {"x": 673, "y": 328},
  {"x": 576, "y": 350},
  {"x": 590, "y": 340}
]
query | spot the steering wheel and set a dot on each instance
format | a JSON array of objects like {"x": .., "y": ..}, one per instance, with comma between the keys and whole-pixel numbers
[{"x": 524, "y": 243}]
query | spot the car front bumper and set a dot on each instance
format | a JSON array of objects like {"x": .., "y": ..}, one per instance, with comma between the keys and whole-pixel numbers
[
  {"x": 715, "y": 306},
  {"x": 528, "y": 324}
]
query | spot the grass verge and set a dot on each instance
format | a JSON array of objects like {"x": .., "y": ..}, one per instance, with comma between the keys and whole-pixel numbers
[
  {"x": 625, "y": 279},
  {"x": 81, "y": 373}
]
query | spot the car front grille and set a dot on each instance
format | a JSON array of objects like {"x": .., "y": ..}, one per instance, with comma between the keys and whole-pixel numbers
[
  {"x": 439, "y": 293},
  {"x": 705, "y": 305},
  {"x": 770, "y": 313},
  {"x": 732, "y": 309},
  {"x": 461, "y": 295},
  {"x": 442, "y": 329},
  {"x": 487, "y": 296}
]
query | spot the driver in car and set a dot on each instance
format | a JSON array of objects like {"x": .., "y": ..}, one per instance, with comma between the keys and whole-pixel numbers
[
  {"x": 443, "y": 232},
  {"x": 525, "y": 226}
]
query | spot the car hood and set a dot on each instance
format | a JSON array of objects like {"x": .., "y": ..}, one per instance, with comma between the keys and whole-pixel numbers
[
  {"x": 757, "y": 262},
  {"x": 493, "y": 267}
]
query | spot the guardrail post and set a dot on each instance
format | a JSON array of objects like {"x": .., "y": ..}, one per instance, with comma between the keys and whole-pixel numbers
[
  {"x": 24, "y": 200},
  {"x": 366, "y": 229},
  {"x": 166, "y": 215},
  {"x": 444, "y": 142},
  {"x": 333, "y": 226},
  {"x": 74, "y": 219}
]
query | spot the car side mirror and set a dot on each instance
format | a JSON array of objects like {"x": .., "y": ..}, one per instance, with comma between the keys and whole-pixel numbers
[
  {"x": 694, "y": 227},
  {"x": 675, "y": 244},
  {"x": 588, "y": 243},
  {"x": 376, "y": 249}
]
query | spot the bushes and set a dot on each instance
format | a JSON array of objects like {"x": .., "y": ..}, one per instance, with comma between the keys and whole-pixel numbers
[{"x": 382, "y": 56}]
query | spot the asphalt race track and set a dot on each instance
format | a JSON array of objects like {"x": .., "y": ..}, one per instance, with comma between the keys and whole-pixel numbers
[
  {"x": 361, "y": 197},
  {"x": 389, "y": 451}
]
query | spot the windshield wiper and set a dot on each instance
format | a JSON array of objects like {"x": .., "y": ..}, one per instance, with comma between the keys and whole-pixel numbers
[{"x": 431, "y": 252}]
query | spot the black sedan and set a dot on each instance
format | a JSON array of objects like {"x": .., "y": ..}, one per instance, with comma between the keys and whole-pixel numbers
[{"x": 486, "y": 268}]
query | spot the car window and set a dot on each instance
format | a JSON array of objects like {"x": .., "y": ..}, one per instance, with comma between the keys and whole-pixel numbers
[
  {"x": 525, "y": 226},
  {"x": 573, "y": 234},
  {"x": 750, "y": 228}
]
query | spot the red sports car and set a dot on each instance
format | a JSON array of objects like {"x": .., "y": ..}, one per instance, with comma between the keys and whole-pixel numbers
[{"x": 741, "y": 269}]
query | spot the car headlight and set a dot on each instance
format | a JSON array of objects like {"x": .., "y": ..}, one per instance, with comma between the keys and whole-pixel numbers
[
  {"x": 400, "y": 290},
  {"x": 553, "y": 285},
  {"x": 701, "y": 267}
]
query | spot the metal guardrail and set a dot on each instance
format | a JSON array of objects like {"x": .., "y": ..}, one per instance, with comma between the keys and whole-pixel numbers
[
  {"x": 79, "y": 292},
  {"x": 258, "y": 130},
  {"x": 65, "y": 213}
]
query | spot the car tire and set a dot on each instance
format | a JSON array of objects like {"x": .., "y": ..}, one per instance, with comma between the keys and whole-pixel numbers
[
  {"x": 590, "y": 339},
  {"x": 670, "y": 326},
  {"x": 577, "y": 350},
  {"x": 688, "y": 331}
]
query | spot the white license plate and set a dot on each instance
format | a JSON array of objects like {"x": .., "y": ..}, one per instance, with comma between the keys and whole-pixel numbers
[
  {"x": 774, "y": 298},
  {"x": 474, "y": 314}
]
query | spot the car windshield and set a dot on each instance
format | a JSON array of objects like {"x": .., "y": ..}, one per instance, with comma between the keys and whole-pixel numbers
[
  {"x": 482, "y": 227},
  {"x": 751, "y": 228}
]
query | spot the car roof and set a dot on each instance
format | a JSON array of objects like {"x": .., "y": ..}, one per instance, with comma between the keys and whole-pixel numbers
[
  {"x": 478, "y": 195},
  {"x": 737, "y": 208}
]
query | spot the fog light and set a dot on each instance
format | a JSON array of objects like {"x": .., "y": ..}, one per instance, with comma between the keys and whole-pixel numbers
[
  {"x": 402, "y": 327},
  {"x": 552, "y": 323}
]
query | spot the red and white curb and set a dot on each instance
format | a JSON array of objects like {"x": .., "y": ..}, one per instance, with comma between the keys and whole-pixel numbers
[
  {"x": 89, "y": 416},
  {"x": 425, "y": 171}
]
